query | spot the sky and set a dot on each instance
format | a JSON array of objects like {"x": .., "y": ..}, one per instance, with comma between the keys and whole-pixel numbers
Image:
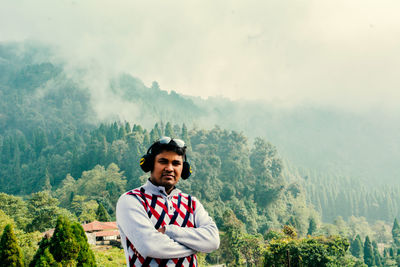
[{"x": 338, "y": 53}]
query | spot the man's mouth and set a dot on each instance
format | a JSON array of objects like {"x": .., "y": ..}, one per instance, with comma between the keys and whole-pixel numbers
[{"x": 168, "y": 176}]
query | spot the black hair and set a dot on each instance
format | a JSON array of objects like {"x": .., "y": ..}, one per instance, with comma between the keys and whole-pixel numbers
[{"x": 157, "y": 148}]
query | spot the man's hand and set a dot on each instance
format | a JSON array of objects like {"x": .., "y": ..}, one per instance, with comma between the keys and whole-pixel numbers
[{"x": 161, "y": 230}]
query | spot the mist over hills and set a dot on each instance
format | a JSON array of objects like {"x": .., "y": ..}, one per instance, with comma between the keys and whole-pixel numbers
[{"x": 363, "y": 145}]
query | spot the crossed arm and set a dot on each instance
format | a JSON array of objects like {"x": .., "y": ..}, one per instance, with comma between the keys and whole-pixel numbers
[{"x": 175, "y": 242}]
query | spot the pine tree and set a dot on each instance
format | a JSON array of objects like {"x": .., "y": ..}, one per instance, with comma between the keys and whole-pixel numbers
[
  {"x": 63, "y": 244},
  {"x": 312, "y": 227},
  {"x": 128, "y": 128},
  {"x": 356, "y": 247},
  {"x": 396, "y": 232},
  {"x": 86, "y": 256},
  {"x": 47, "y": 260},
  {"x": 43, "y": 245},
  {"x": 154, "y": 135},
  {"x": 169, "y": 131},
  {"x": 385, "y": 253},
  {"x": 102, "y": 214},
  {"x": 368, "y": 253},
  {"x": 185, "y": 136},
  {"x": 391, "y": 252},
  {"x": 10, "y": 252},
  {"x": 47, "y": 181},
  {"x": 377, "y": 255}
]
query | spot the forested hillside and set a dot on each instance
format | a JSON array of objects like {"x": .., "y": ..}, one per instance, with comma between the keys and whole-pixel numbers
[
  {"x": 47, "y": 119},
  {"x": 57, "y": 157}
]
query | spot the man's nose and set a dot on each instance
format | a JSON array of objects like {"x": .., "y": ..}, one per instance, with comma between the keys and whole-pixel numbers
[{"x": 169, "y": 167}]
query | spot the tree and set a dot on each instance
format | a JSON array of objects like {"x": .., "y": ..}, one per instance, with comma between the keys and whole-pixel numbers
[
  {"x": 169, "y": 131},
  {"x": 102, "y": 214},
  {"x": 230, "y": 241},
  {"x": 63, "y": 244},
  {"x": 16, "y": 208},
  {"x": 396, "y": 232},
  {"x": 10, "y": 252},
  {"x": 86, "y": 256},
  {"x": 356, "y": 247},
  {"x": 252, "y": 248},
  {"x": 312, "y": 226},
  {"x": 368, "y": 253},
  {"x": 44, "y": 210},
  {"x": 47, "y": 259},
  {"x": 312, "y": 251}
]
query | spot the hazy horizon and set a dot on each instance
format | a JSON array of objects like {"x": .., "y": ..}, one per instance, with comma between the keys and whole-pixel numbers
[{"x": 334, "y": 53}]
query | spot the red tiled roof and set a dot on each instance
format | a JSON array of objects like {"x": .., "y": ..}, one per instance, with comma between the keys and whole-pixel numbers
[{"x": 99, "y": 226}]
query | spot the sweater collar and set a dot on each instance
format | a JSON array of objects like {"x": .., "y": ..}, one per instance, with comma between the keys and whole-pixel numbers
[{"x": 157, "y": 190}]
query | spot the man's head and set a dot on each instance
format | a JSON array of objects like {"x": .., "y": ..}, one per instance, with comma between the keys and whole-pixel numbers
[{"x": 166, "y": 160}]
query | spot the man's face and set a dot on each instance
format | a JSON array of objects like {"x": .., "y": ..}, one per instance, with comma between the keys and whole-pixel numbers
[{"x": 167, "y": 170}]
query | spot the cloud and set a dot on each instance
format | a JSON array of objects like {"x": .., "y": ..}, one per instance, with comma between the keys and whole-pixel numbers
[{"x": 333, "y": 53}]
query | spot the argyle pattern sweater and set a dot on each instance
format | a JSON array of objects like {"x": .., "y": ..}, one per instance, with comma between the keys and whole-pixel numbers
[{"x": 151, "y": 208}]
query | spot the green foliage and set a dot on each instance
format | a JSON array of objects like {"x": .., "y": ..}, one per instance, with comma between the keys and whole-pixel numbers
[
  {"x": 312, "y": 251},
  {"x": 312, "y": 226},
  {"x": 369, "y": 258},
  {"x": 10, "y": 252},
  {"x": 28, "y": 243},
  {"x": 100, "y": 184},
  {"x": 112, "y": 257},
  {"x": 396, "y": 232},
  {"x": 356, "y": 247},
  {"x": 47, "y": 260},
  {"x": 102, "y": 214},
  {"x": 44, "y": 210},
  {"x": 252, "y": 248},
  {"x": 63, "y": 245},
  {"x": 86, "y": 256},
  {"x": 230, "y": 240},
  {"x": 85, "y": 210},
  {"x": 16, "y": 208}
]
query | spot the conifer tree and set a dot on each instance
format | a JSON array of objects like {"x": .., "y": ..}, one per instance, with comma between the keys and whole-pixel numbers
[
  {"x": 368, "y": 253},
  {"x": 86, "y": 256},
  {"x": 312, "y": 226},
  {"x": 356, "y": 247},
  {"x": 391, "y": 252},
  {"x": 385, "y": 253},
  {"x": 169, "y": 131},
  {"x": 47, "y": 259},
  {"x": 396, "y": 232},
  {"x": 43, "y": 245},
  {"x": 47, "y": 181},
  {"x": 102, "y": 214},
  {"x": 10, "y": 252},
  {"x": 128, "y": 128},
  {"x": 154, "y": 136},
  {"x": 63, "y": 244},
  {"x": 185, "y": 136}
]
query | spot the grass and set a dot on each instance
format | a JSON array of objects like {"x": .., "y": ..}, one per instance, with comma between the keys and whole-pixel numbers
[{"x": 108, "y": 256}]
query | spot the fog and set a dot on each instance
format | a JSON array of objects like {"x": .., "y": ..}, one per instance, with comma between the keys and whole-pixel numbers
[{"x": 341, "y": 54}]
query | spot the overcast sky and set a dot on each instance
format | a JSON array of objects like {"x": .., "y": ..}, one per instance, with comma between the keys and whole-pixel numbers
[{"x": 336, "y": 53}]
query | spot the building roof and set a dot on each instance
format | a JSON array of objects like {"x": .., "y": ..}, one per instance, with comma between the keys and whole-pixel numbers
[{"x": 96, "y": 226}]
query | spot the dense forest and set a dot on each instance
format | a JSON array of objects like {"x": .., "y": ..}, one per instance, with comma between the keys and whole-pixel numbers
[{"x": 57, "y": 158}]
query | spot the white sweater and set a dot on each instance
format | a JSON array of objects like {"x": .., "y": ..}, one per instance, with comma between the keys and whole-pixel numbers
[{"x": 177, "y": 242}]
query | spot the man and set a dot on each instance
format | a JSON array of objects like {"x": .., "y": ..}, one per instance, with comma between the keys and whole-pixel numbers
[{"x": 159, "y": 224}]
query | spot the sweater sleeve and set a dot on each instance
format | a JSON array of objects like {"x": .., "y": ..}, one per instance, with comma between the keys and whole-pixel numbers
[
  {"x": 133, "y": 220},
  {"x": 203, "y": 238}
]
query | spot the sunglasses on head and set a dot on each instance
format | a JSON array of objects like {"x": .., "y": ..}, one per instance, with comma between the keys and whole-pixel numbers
[{"x": 165, "y": 140}]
